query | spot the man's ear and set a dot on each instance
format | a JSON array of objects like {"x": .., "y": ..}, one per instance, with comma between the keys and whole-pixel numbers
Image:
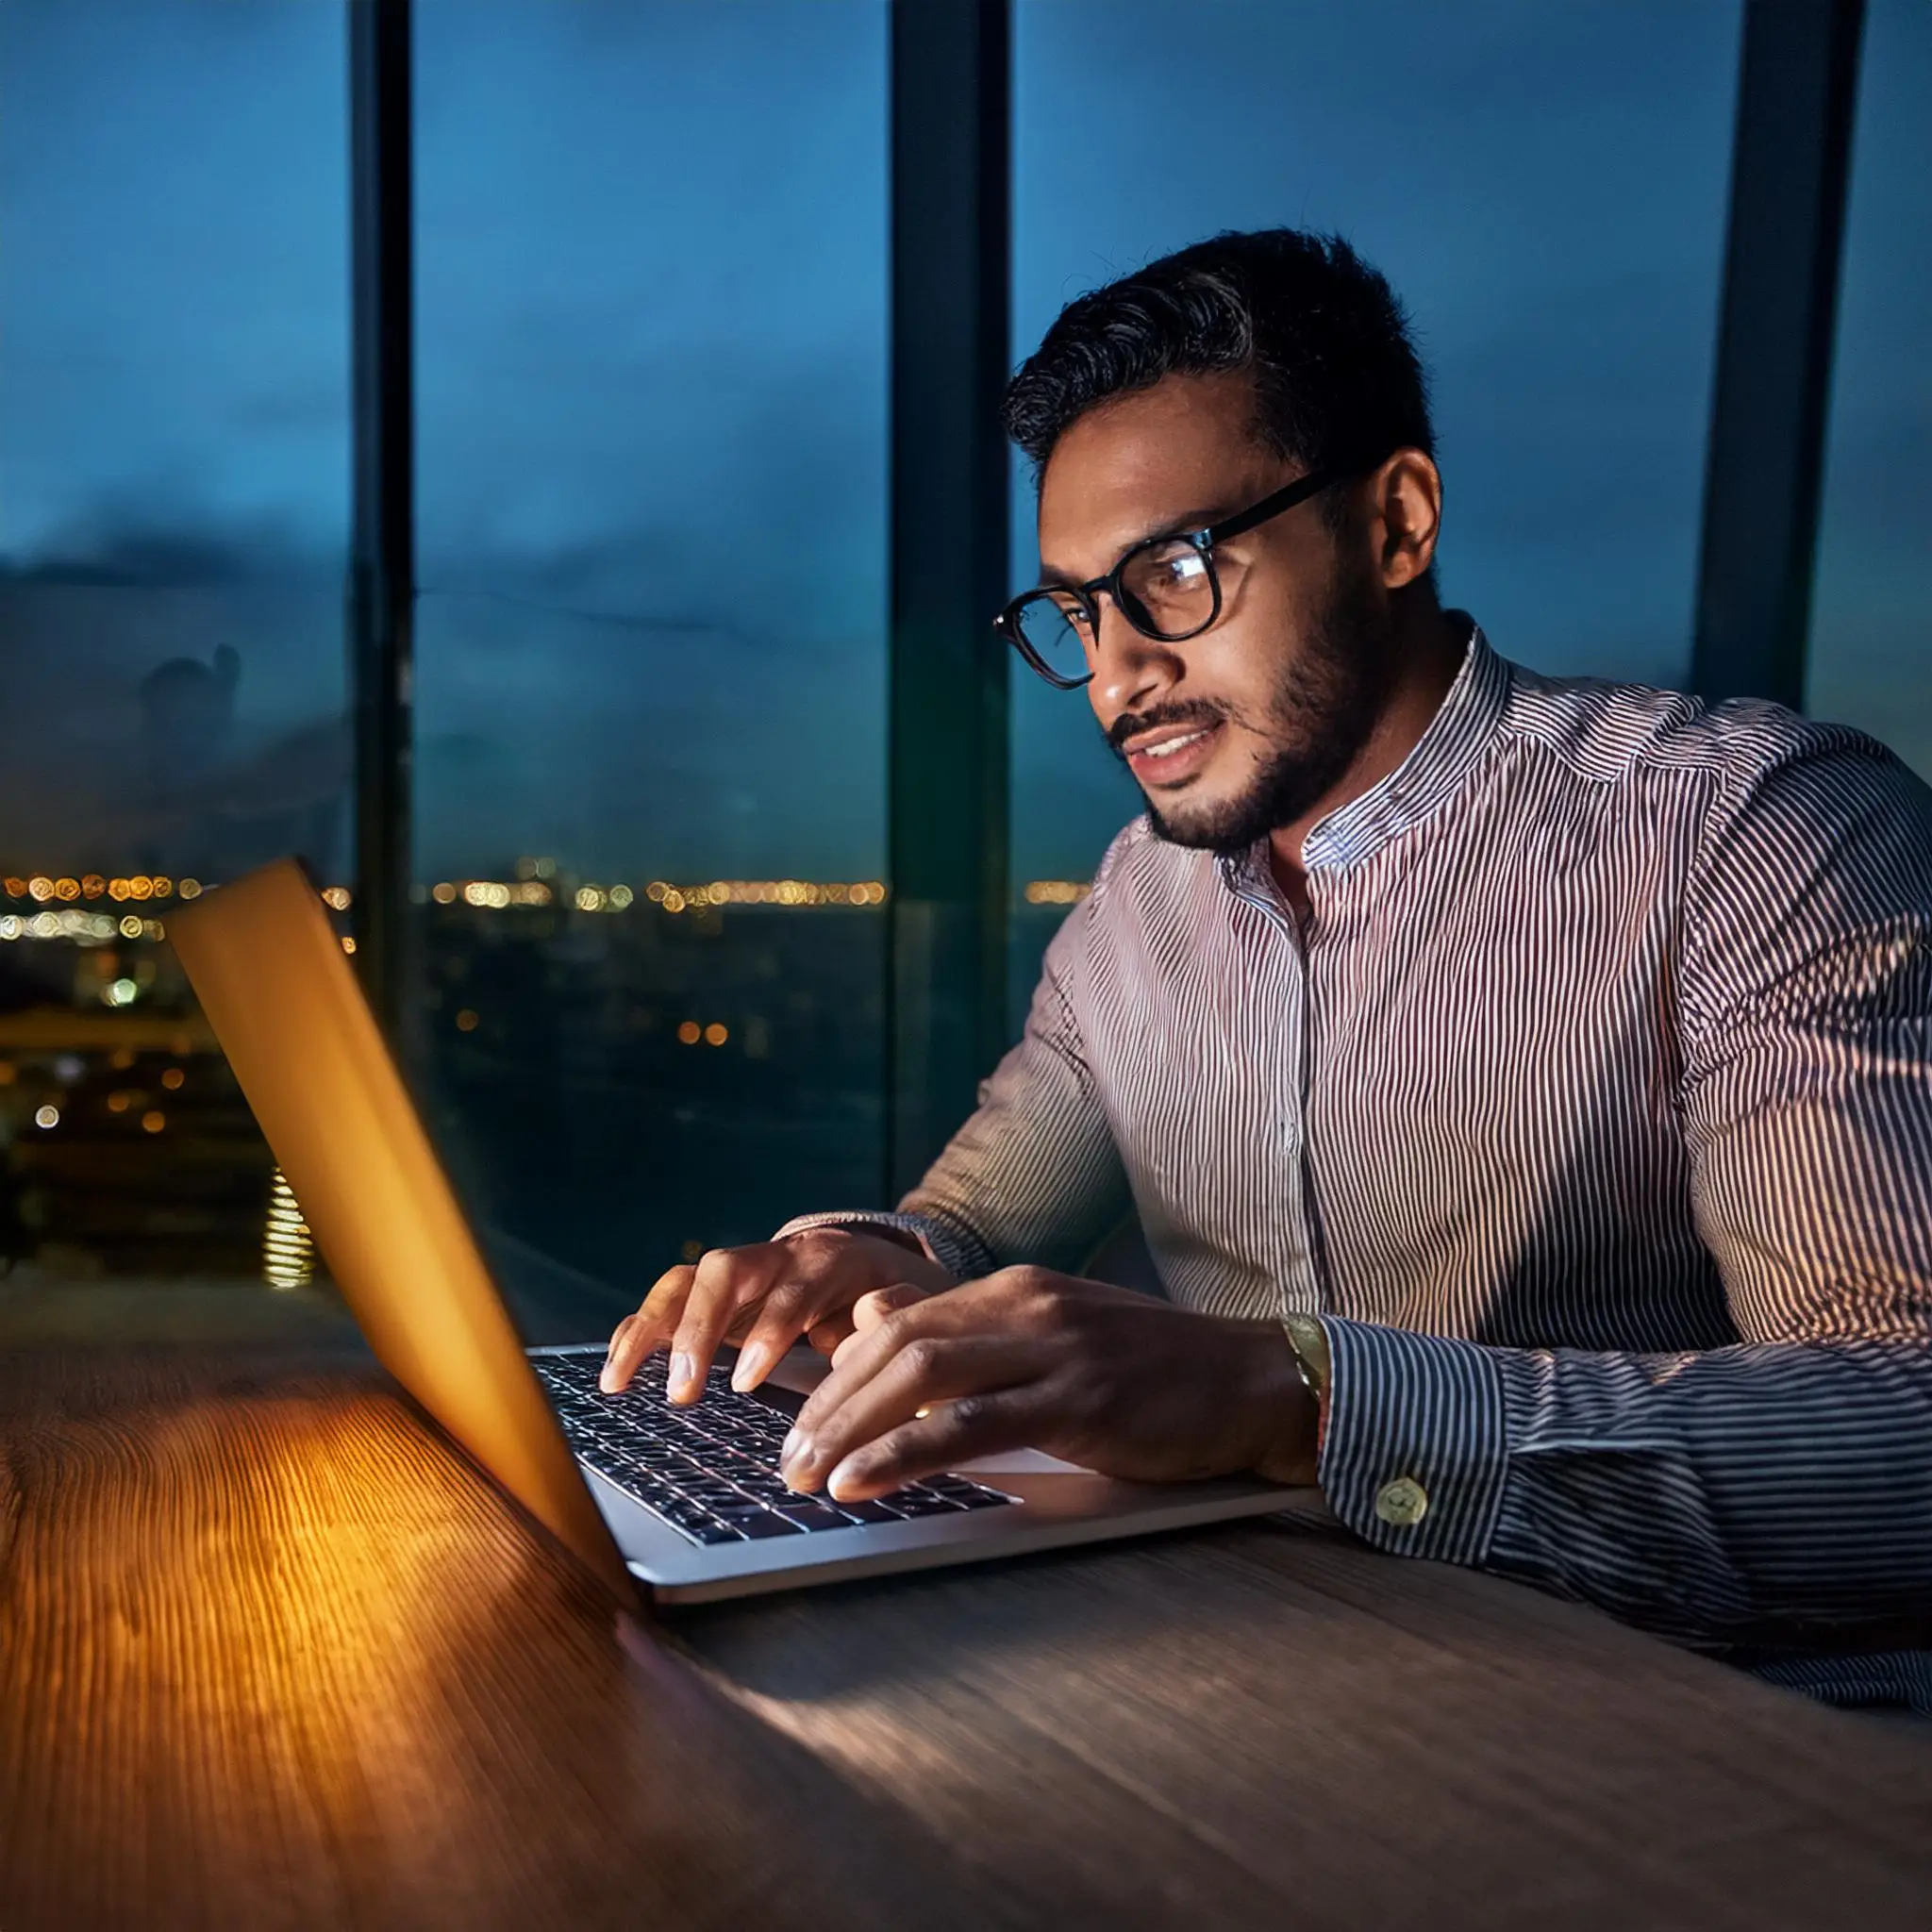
[{"x": 1405, "y": 501}]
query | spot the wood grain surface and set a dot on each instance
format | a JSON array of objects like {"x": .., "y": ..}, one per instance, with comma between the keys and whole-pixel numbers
[
  {"x": 1224, "y": 1727},
  {"x": 274, "y": 1656}
]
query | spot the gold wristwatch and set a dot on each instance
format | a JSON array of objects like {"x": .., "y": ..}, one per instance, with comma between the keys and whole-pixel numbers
[{"x": 1309, "y": 1342}]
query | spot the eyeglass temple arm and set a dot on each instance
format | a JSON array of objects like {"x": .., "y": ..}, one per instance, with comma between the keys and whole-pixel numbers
[{"x": 1285, "y": 498}]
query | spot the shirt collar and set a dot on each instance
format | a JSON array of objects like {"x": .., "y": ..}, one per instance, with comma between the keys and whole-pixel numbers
[{"x": 1442, "y": 757}]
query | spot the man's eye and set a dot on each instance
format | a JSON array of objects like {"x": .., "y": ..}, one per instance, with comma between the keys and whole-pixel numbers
[{"x": 1168, "y": 572}]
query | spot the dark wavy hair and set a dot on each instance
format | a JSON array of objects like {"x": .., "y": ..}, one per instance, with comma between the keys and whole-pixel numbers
[{"x": 1337, "y": 378}]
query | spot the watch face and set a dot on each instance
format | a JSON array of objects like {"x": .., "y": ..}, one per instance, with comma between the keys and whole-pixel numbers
[{"x": 1309, "y": 1341}]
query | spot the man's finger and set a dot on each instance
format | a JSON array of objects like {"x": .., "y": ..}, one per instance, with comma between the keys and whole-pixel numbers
[
  {"x": 871, "y": 1307},
  {"x": 926, "y": 1372},
  {"x": 638, "y": 1334},
  {"x": 961, "y": 1311},
  {"x": 727, "y": 1280},
  {"x": 790, "y": 1306},
  {"x": 877, "y": 1304},
  {"x": 829, "y": 1335},
  {"x": 953, "y": 1433}
]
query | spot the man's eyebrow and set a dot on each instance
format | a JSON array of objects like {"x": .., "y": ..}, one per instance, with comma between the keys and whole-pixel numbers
[{"x": 1055, "y": 579}]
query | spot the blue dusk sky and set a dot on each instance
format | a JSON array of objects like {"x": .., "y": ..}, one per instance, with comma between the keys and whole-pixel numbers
[{"x": 651, "y": 339}]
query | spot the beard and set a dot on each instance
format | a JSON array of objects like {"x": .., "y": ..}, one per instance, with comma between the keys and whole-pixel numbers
[{"x": 1318, "y": 719}]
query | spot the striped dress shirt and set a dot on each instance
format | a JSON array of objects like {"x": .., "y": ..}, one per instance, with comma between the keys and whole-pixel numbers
[{"x": 1590, "y": 1108}]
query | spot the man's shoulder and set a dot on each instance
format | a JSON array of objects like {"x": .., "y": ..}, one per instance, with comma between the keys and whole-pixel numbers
[{"x": 1607, "y": 732}]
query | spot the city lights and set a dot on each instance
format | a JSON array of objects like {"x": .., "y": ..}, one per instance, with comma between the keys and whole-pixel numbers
[
  {"x": 47, "y": 1117},
  {"x": 63, "y": 896},
  {"x": 466, "y": 1021},
  {"x": 120, "y": 992},
  {"x": 153, "y": 1121},
  {"x": 173, "y": 1079},
  {"x": 788, "y": 892}
]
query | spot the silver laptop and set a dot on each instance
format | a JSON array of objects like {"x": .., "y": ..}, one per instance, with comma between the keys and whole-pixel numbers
[{"x": 685, "y": 1502}]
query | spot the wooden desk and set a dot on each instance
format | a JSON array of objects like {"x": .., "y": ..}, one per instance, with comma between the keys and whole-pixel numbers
[{"x": 270, "y": 1655}]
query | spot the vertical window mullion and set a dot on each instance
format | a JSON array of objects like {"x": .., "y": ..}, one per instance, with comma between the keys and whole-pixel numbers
[
  {"x": 381, "y": 590},
  {"x": 947, "y": 753},
  {"x": 1798, "y": 73}
]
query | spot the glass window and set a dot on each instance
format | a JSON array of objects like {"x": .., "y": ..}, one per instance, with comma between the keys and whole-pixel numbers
[
  {"x": 652, "y": 355},
  {"x": 1545, "y": 187},
  {"x": 174, "y": 489},
  {"x": 1871, "y": 660}
]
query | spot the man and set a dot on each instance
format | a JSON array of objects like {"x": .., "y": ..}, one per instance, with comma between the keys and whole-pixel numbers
[{"x": 1525, "y": 1085}]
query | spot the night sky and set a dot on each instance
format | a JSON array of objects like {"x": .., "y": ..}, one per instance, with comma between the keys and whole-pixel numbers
[{"x": 651, "y": 331}]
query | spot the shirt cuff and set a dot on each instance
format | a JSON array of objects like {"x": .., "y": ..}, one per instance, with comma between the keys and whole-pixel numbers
[
  {"x": 1413, "y": 1457},
  {"x": 961, "y": 1257}
]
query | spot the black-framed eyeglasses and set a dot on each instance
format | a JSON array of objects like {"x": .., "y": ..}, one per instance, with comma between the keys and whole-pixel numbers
[{"x": 1166, "y": 587}]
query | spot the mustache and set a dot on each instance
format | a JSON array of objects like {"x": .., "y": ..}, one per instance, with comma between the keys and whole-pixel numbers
[{"x": 1188, "y": 711}]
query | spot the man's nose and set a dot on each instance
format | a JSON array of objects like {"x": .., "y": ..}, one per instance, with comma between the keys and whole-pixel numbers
[{"x": 1130, "y": 668}]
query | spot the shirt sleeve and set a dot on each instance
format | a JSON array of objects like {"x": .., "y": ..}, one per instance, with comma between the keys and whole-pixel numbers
[
  {"x": 1778, "y": 1490},
  {"x": 1034, "y": 1176}
]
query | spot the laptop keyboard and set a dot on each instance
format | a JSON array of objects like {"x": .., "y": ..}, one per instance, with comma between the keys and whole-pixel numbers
[{"x": 710, "y": 1471}]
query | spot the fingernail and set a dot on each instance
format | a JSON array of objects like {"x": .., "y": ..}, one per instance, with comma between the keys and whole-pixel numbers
[
  {"x": 607, "y": 1379},
  {"x": 849, "y": 1474},
  {"x": 793, "y": 1455},
  {"x": 684, "y": 1371},
  {"x": 754, "y": 1358}
]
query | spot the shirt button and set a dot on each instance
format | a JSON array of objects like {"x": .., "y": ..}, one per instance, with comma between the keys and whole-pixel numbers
[{"x": 1402, "y": 1501}]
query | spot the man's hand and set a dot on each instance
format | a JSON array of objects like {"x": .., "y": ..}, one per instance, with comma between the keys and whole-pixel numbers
[
  {"x": 1122, "y": 1383},
  {"x": 763, "y": 1296}
]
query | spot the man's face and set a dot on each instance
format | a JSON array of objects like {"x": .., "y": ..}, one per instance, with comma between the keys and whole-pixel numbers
[{"x": 1246, "y": 727}]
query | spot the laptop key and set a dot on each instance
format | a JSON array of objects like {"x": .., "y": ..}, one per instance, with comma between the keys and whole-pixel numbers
[
  {"x": 812, "y": 1516},
  {"x": 869, "y": 1512},
  {"x": 707, "y": 1532},
  {"x": 764, "y": 1523},
  {"x": 924, "y": 1505}
]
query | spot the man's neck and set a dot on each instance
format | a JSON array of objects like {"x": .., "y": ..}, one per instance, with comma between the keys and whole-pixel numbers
[{"x": 1430, "y": 654}]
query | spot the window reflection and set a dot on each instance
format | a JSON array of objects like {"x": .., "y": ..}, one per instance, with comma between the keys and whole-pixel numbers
[
  {"x": 1871, "y": 658},
  {"x": 652, "y": 276},
  {"x": 174, "y": 451}
]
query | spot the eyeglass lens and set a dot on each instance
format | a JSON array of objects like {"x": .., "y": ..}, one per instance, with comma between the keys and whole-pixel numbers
[{"x": 1165, "y": 591}]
